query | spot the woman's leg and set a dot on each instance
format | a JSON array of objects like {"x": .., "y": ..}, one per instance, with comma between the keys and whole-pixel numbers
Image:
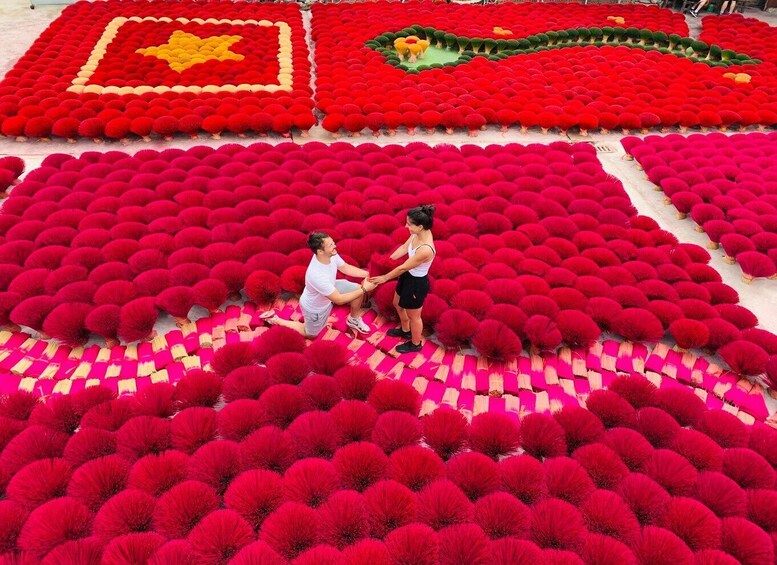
[
  {"x": 416, "y": 325},
  {"x": 404, "y": 320},
  {"x": 699, "y": 6}
]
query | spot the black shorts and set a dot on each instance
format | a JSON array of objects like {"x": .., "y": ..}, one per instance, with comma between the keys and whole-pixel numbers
[{"x": 412, "y": 290}]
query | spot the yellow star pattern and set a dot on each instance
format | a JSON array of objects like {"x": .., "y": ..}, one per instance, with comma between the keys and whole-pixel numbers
[{"x": 184, "y": 50}]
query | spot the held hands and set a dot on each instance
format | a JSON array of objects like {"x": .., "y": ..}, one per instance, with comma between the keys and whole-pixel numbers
[
  {"x": 368, "y": 285},
  {"x": 378, "y": 280}
]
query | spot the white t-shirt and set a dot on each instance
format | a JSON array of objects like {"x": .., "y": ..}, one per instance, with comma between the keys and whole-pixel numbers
[{"x": 319, "y": 283}]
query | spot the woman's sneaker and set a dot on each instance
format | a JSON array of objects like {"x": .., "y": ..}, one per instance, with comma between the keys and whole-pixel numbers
[
  {"x": 358, "y": 325},
  {"x": 398, "y": 332},
  {"x": 409, "y": 347}
]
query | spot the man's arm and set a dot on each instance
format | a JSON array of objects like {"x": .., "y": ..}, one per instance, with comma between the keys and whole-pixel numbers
[{"x": 351, "y": 271}]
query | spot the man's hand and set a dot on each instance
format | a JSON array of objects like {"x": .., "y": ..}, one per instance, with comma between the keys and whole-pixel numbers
[
  {"x": 368, "y": 285},
  {"x": 378, "y": 280}
]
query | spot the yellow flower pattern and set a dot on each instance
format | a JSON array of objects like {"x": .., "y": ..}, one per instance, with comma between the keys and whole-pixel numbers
[
  {"x": 738, "y": 77},
  {"x": 411, "y": 46},
  {"x": 617, "y": 20}
]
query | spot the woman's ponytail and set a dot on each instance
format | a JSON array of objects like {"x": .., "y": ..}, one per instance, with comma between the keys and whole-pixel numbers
[{"x": 422, "y": 216}]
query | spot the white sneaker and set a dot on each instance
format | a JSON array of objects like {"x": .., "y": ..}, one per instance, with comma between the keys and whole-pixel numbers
[{"x": 358, "y": 325}]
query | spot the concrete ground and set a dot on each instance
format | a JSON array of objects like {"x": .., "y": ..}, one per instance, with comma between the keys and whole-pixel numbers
[{"x": 20, "y": 26}]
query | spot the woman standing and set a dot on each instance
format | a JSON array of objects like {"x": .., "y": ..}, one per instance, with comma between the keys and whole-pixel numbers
[{"x": 413, "y": 283}]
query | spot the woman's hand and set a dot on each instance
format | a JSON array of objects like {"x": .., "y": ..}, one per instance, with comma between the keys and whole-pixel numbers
[{"x": 379, "y": 280}]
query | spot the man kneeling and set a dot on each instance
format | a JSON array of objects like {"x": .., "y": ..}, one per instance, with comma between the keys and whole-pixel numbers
[{"x": 323, "y": 290}]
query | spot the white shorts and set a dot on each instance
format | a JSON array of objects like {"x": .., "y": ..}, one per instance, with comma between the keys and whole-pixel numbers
[{"x": 315, "y": 322}]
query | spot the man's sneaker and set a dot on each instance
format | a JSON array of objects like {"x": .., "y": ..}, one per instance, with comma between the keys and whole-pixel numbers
[
  {"x": 409, "y": 347},
  {"x": 398, "y": 332},
  {"x": 272, "y": 320},
  {"x": 358, "y": 325}
]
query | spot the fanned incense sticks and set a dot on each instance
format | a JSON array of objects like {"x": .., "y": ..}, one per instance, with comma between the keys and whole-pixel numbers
[{"x": 548, "y": 381}]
